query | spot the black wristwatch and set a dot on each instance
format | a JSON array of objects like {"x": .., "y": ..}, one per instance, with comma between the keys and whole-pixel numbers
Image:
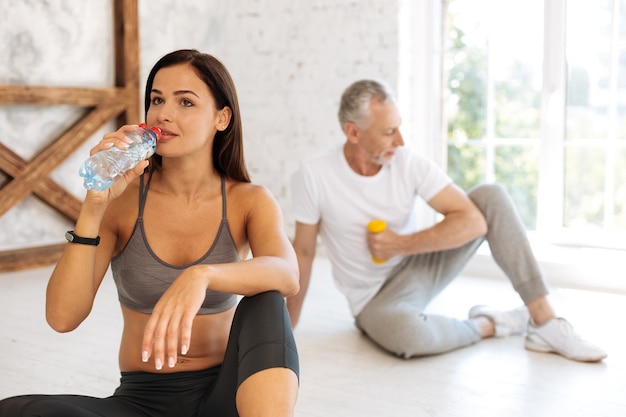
[{"x": 74, "y": 238}]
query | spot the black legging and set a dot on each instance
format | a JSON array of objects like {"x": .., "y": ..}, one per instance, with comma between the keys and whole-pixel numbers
[{"x": 260, "y": 338}]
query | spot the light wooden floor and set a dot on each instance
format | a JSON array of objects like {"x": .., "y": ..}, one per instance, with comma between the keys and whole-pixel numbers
[{"x": 342, "y": 373}]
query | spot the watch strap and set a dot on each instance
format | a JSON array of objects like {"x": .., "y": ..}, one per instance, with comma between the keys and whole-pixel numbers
[{"x": 74, "y": 238}]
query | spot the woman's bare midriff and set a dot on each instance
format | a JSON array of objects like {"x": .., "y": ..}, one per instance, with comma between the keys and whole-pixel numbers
[{"x": 208, "y": 343}]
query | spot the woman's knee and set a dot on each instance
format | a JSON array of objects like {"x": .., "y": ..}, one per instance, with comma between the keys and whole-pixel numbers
[
  {"x": 267, "y": 307},
  {"x": 258, "y": 300},
  {"x": 264, "y": 336}
]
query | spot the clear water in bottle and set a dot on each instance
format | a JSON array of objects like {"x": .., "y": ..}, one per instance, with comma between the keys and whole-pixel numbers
[{"x": 101, "y": 169}]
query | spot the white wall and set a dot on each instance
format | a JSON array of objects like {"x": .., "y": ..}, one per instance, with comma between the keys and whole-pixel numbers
[{"x": 290, "y": 61}]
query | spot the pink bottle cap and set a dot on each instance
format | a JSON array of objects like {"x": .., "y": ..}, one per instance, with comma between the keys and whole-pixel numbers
[{"x": 154, "y": 129}]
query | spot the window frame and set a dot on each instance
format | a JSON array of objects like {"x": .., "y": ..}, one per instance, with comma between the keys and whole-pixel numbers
[{"x": 567, "y": 258}]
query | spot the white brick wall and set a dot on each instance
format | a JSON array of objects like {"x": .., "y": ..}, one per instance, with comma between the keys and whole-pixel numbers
[{"x": 290, "y": 61}]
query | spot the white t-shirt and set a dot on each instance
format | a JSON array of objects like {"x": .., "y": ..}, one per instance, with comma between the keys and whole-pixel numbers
[{"x": 326, "y": 188}]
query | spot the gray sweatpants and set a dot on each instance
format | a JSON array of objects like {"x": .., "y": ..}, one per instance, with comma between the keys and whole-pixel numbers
[{"x": 395, "y": 318}]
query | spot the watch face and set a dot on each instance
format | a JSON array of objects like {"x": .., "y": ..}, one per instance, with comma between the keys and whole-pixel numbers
[{"x": 71, "y": 237}]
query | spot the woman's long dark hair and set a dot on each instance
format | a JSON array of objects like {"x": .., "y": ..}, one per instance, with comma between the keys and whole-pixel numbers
[{"x": 228, "y": 144}]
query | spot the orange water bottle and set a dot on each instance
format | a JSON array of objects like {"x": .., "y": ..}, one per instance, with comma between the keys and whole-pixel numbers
[{"x": 377, "y": 226}]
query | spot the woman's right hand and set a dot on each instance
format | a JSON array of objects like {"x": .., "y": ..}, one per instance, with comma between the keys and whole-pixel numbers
[{"x": 119, "y": 140}]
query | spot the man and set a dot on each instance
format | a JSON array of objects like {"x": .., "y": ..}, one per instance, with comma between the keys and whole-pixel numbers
[{"x": 371, "y": 175}]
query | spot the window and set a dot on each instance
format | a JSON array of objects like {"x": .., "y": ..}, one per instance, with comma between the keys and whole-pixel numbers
[{"x": 541, "y": 112}]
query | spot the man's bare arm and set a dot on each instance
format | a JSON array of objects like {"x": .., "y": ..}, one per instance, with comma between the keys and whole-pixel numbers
[
  {"x": 462, "y": 221},
  {"x": 304, "y": 243}
]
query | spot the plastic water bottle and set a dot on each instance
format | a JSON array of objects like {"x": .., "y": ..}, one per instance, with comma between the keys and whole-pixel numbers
[
  {"x": 102, "y": 168},
  {"x": 377, "y": 226}
]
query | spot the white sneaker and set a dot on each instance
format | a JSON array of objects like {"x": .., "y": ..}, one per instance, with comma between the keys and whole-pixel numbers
[
  {"x": 506, "y": 323},
  {"x": 558, "y": 336}
]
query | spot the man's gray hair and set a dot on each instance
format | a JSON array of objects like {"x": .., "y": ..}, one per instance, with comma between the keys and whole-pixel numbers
[{"x": 355, "y": 100}]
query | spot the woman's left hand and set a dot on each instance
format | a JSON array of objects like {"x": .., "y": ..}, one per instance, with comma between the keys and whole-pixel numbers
[{"x": 170, "y": 323}]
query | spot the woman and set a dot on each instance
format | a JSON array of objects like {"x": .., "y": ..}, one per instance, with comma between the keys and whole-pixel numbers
[{"x": 177, "y": 239}]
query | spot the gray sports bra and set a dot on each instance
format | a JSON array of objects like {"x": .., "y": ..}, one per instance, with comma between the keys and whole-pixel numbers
[{"x": 141, "y": 277}]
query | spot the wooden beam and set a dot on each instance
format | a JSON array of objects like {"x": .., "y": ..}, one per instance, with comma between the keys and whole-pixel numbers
[
  {"x": 77, "y": 96},
  {"x": 47, "y": 190},
  {"x": 126, "y": 35},
  {"x": 19, "y": 259},
  {"x": 44, "y": 163},
  {"x": 120, "y": 102}
]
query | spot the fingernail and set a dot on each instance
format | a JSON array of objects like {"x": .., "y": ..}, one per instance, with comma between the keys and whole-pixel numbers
[
  {"x": 172, "y": 362},
  {"x": 144, "y": 356},
  {"x": 158, "y": 364},
  {"x": 183, "y": 350}
]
